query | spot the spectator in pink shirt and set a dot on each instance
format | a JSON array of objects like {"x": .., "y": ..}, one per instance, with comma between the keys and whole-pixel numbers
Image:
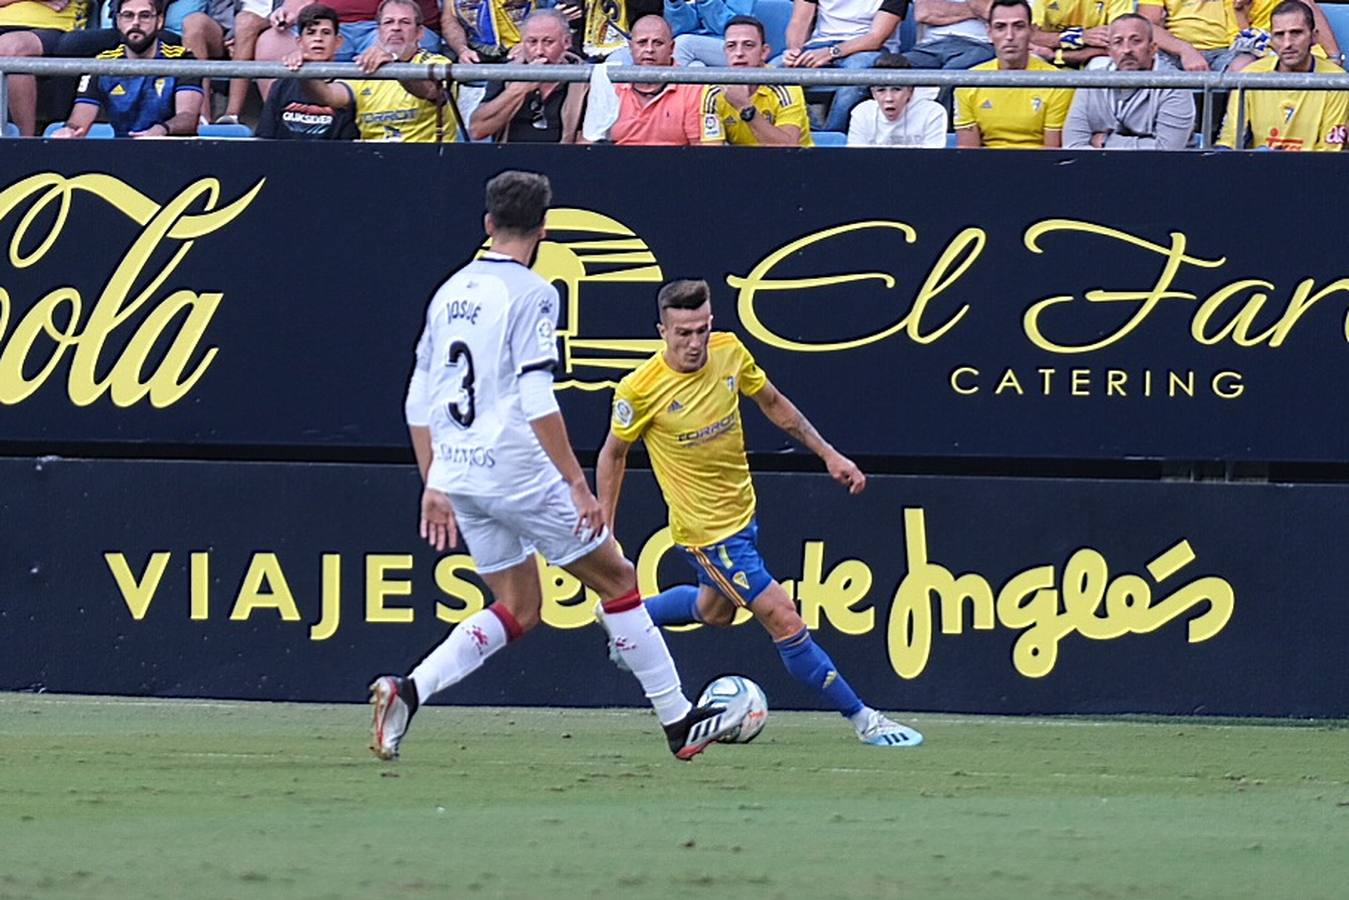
[{"x": 668, "y": 115}]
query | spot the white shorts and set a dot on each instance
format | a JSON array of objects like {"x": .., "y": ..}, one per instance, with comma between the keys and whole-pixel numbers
[{"x": 505, "y": 531}]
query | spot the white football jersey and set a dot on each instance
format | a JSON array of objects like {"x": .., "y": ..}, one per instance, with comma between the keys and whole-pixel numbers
[{"x": 492, "y": 322}]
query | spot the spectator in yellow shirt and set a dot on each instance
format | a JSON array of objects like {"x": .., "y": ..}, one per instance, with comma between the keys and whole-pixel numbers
[
  {"x": 1011, "y": 117},
  {"x": 1290, "y": 120},
  {"x": 1073, "y": 32},
  {"x": 1197, "y": 35},
  {"x": 756, "y": 115}
]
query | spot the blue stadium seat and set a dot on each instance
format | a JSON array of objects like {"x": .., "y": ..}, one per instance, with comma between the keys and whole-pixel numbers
[
  {"x": 774, "y": 14},
  {"x": 224, "y": 130},
  {"x": 829, "y": 138},
  {"x": 951, "y": 140},
  {"x": 9, "y": 130},
  {"x": 99, "y": 130},
  {"x": 1338, "y": 16}
]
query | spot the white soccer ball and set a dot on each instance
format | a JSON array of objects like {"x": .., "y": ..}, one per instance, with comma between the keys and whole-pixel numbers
[{"x": 730, "y": 688}]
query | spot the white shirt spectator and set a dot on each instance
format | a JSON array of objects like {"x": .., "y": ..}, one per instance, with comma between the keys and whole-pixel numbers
[
  {"x": 921, "y": 124},
  {"x": 843, "y": 20}
]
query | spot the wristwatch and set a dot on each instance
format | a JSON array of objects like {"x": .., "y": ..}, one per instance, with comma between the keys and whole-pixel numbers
[
  {"x": 748, "y": 113},
  {"x": 834, "y": 52}
]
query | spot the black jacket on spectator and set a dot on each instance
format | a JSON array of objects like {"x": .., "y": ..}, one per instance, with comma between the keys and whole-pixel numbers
[
  {"x": 537, "y": 121},
  {"x": 288, "y": 115}
]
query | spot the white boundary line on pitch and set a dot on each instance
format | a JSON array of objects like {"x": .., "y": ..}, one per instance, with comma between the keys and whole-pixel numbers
[{"x": 1068, "y": 720}]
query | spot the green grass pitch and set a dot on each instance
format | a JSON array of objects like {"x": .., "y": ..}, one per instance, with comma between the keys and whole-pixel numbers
[{"x": 109, "y": 798}]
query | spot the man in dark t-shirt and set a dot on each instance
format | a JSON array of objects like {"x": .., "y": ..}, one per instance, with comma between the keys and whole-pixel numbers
[
  {"x": 288, "y": 114},
  {"x": 531, "y": 112},
  {"x": 138, "y": 105}
]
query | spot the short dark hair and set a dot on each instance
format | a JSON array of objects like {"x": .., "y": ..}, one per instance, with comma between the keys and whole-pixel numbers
[
  {"x": 747, "y": 20},
  {"x": 683, "y": 293},
  {"x": 1001, "y": 4},
  {"x": 416, "y": 17},
  {"x": 1295, "y": 6},
  {"x": 160, "y": 6},
  {"x": 518, "y": 201},
  {"x": 316, "y": 12},
  {"x": 888, "y": 60}
]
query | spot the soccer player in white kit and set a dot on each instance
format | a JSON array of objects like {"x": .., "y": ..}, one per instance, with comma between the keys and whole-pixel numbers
[{"x": 498, "y": 468}]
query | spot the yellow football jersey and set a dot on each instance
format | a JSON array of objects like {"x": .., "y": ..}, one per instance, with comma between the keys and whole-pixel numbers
[
  {"x": 387, "y": 112},
  {"x": 691, "y": 425},
  {"x": 1290, "y": 120},
  {"x": 1203, "y": 24},
  {"x": 1013, "y": 117},
  {"x": 1056, "y": 15},
  {"x": 783, "y": 104},
  {"x": 32, "y": 14}
]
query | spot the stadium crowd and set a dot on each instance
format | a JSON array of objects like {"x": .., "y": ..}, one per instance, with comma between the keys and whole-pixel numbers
[{"x": 1032, "y": 35}]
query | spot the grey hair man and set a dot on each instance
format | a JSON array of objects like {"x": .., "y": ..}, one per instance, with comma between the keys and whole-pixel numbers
[{"x": 1134, "y": 118}]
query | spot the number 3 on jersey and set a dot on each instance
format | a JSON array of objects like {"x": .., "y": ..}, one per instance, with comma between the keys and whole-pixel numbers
[{"x": 463, "y": 408}]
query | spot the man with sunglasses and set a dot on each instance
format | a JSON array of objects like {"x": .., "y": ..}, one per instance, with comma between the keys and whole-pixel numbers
[
  {"x": 533, "y": 112},
  {"x": 1135, "y": 118},
  {"x": 138, "y": 105}
]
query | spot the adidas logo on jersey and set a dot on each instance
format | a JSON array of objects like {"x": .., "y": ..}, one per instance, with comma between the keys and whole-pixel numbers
[
  {"x": 675, "y": 406},
  {"x": 987, "y": 104},
  {"x": 117, "y": 91}
]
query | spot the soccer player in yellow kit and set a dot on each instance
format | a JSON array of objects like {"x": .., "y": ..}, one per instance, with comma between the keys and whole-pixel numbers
[{"x": 685, "y": 404}]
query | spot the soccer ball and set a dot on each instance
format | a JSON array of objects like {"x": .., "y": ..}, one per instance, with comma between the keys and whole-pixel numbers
[{"x": 734, "y": 687}]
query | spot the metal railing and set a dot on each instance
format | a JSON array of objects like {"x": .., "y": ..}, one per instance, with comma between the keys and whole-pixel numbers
[{"x": 1205, "y": 83}]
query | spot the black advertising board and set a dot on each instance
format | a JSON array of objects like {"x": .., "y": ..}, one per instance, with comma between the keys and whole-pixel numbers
[
  {"x": 294, "y": 581},
  {"x": 953, "y": 304}
]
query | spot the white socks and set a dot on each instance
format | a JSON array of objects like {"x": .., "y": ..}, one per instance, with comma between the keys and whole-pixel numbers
[
  {"x": 488, "y": 630},
  {"x": 643, "y": 648},
  {"x": 476, "y": 638}
]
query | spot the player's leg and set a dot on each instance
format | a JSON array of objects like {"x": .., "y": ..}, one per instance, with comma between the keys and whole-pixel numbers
[
  {"x": 23, "y": 88},
  {"x": 509, "y": 567},
  {"x": 688, "y": 731},
  {"x": 744, "y": 578}
]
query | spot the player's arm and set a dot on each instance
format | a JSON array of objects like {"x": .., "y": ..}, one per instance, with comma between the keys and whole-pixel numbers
[
  {"x": 334, "y": 94},
  {"x": 421, "y": 448},
  {"x": 373, "y": 58},
  {"x": 968, "y": 134},
  {"x": 552, "y": 434},
  {"x": 798, "y": 29},
  {"x": 610, "y": 468},
  {"x": 948, "y": 12},
  {"x": 452, "y": 31},
  {"x": 1325, "y": 35},
  {"x": 784, "y": 414},
  {"x": 81, "y": 119},
  {"x": 1191, "y": 60},
  {"x": 186, "y": 111},
  {"x": 494, "y": 114},
  {"x": 438, "y": 526}
]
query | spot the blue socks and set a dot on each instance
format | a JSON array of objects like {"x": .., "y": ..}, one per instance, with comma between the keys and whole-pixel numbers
[
  {"x": 812, "y": 667},
  {"x": 800, "y": 654},
  {"x": 677, "y": 606}
]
